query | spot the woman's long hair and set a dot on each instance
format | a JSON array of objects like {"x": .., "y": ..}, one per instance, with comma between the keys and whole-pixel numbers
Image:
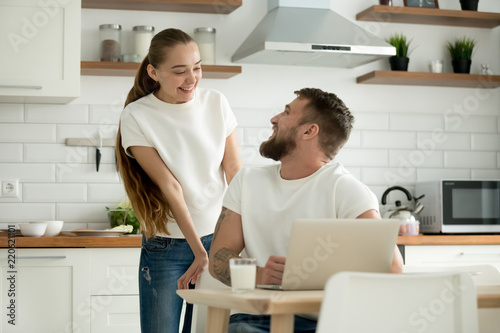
[{"x": 149, "y": 203}]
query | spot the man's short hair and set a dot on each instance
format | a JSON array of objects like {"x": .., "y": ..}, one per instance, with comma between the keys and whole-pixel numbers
[{"x": 331, "y": 115}]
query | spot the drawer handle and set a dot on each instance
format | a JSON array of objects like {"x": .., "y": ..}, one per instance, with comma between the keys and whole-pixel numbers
[
  {"x": 479, "y": 253},
  {"x": 41, "y": 257},
  {"x": 15, "y": 86}
]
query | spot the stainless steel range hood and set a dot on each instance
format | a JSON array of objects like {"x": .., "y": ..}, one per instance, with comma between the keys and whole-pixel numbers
[{"x": 291, "y": 35}]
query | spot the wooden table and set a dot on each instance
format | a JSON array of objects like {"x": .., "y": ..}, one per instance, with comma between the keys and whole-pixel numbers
[{"x": 281, "y": 305}]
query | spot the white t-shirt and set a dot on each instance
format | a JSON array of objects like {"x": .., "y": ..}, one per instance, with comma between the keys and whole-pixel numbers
[
  {"x": 269, "y": 204},
  {"x": 190, "y": 138}
]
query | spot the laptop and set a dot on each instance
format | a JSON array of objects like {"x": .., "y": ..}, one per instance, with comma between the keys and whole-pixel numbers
[{"x": 319, "y": 248}]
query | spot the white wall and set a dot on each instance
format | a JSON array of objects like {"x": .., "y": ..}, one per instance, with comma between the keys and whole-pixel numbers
[{"x": 402, "y": 134}]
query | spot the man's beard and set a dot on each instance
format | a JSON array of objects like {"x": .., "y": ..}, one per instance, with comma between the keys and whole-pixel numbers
[{"x": 278, "y": 147}]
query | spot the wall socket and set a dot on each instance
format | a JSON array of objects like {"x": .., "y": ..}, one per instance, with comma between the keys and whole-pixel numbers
[{"x": 10, "y": 188}]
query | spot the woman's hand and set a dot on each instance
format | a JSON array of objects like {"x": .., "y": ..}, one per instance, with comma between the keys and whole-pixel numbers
[{"x": 193, "y": 273}]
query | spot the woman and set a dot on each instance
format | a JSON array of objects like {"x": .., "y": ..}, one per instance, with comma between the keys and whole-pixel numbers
[{"x": 175, "y": 144}]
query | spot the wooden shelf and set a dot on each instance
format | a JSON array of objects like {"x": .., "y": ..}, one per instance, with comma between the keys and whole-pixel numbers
[
  {"x": 430, "y": 79},
  {"x": 189, "y": 6},
  {"x": 434, "y": 16},
  {"x": 103, "y": 68}
]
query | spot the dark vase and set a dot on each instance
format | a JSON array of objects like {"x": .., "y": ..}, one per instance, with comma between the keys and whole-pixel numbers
[
  {"x": 469, "y": 4},
  {"x": 399, "y": 63},
  {"x": 461, "y": 66}
]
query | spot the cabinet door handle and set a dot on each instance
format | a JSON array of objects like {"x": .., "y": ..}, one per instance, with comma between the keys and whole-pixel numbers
[
  {"x": 15, "y": 86},
  {"x": 479, "y": 253},
  {"x": 41, "y": 257}
]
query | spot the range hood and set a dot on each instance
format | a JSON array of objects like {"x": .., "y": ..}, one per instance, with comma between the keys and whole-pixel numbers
[{"x": 305, "y": 36}]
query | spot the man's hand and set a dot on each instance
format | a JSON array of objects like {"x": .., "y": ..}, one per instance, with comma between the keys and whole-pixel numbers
[{"x": 272, "y": 273}]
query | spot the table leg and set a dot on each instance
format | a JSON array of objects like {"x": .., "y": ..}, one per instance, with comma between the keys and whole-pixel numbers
[
  {"x": 217, "y": 320},
  {"x": 282, "y": 323}
]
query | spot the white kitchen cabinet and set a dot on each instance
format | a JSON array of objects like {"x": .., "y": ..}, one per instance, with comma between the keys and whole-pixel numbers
[
  {"x": 452, "y": 255},
  {"x": 51, "y": 288},
  {"x": 114, "y": 290},
  {"x": 40, "y": 57}
]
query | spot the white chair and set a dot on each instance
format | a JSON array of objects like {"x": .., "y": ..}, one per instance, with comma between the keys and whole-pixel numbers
[{"x": 395, "y": 303}]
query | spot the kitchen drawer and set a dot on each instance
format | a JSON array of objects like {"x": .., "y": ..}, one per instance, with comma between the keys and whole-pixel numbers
[
  {"x": 449, "y": 255},
  {"x": 114, "y": 271},
  {"x": 115, "y": 314}
]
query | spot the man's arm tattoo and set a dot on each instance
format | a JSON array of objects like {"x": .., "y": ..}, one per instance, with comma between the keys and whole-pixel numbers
[
  {"x": 221, "y": 264},
  {"x": 222, "y": 216}
]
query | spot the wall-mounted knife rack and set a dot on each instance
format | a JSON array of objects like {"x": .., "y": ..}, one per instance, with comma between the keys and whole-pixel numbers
[{"x": 89, "y": 142}]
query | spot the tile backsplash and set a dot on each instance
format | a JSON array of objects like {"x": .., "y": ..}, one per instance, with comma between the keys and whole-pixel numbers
[{"x": 402, "y": 134}]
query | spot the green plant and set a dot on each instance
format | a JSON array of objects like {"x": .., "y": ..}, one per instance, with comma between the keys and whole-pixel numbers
[
  {"x": 123, "y": 215},
  {"x": 461, "y": 48},
  {"x": 401, "y": 44}
]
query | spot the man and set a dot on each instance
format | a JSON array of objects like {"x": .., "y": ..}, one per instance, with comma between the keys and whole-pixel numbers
[{"x": 261, "y": 203}]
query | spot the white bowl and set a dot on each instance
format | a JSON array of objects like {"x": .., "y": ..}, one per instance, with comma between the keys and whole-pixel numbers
[
  {"x": 53, "y": 227},
  {"x": 33, "y": 229}
]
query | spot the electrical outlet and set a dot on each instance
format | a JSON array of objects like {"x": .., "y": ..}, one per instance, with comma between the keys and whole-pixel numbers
[{"x": 10, "y": 188}]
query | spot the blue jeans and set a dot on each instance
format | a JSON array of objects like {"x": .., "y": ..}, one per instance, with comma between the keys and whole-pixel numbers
[
  {"x": 163, "y": 262},
  {"x": 245, "y": 323}
]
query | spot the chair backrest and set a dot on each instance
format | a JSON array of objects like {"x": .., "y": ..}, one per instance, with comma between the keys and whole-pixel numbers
[
  {"x": 481, "y": 274},
  {"x": 397, "y": 303}
]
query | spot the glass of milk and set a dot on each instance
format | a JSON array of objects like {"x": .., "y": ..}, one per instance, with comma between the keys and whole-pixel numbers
[{"x": 243, "y": 273}]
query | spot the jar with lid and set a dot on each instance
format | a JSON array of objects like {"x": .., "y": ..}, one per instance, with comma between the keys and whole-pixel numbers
[
  {"x": 142, "y": 39},
  {"x": 205, "y": 38},
  {"x": 110, "y": 42}
]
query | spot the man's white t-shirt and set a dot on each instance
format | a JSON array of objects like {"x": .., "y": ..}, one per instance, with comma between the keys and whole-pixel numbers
[
  {"x": 268, "y": 204},
  {"x": 190, "y": 138}
]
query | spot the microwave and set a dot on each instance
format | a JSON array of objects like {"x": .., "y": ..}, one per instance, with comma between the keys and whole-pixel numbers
[{"x": 459, "y": 206}]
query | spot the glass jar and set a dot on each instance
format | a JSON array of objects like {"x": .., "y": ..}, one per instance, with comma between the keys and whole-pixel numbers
[
  {"x": 142, "y": 39},
  {"x": 205, "y": 38},
  {"x": 110, "y": 42}
]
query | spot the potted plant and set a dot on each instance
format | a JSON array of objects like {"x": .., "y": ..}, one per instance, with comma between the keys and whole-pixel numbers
[
  {"x": 400, "y": 61},
  {"x": 122, "y": 215},
  {"x": 469, "y": 4},
  {"x": 461, "y": 53}
]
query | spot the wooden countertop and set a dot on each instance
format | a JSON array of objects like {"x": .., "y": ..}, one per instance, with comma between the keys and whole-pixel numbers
[{"x": 135, "y": 241}]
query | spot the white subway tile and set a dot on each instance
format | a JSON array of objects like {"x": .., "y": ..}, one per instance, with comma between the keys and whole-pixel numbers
[
  {"x": 54, "y": 153},
  {"x": 486, "y": 142},
  {"x": 354, "y": 140},
  {"x": 105, "y": 114},
  {"x": 255, "y": 136},
  {"x": 86, "y": 173},
  {"x": 11, "y": 152},
  {"x": 470, "y": 124},
  {"x": 415, "y": 122},
  {"x": 251, "y": 156},
  {"x": 388, "y": 176},
  {"x": 56, "y": 113},
  {"x": 85, "y": 131},
  {"x": 55, "y": 192},
  {"x": 379, "y": 139},
  {"x": 441, "y": 140},
  {"x": 19, "y": 197},
  {"x": 255, "y": 117},
  {"x": 486, "y": 174},
  {"x": 371, "y": 121},
  {"x": 416, "y": 158},
  {"x": 363, "y": 157},
  {"x": 11, "y": 113},
  {"x": 27, "y": 133},
  {"x": 424, "y": 175},
  {"x": 106, "y": 193},
  {"x": 25, "y": 212},
  {"x": 78, "y": 212},
  {"x": 479, "y": 160},
  {"x": 28, "y": 172}
]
